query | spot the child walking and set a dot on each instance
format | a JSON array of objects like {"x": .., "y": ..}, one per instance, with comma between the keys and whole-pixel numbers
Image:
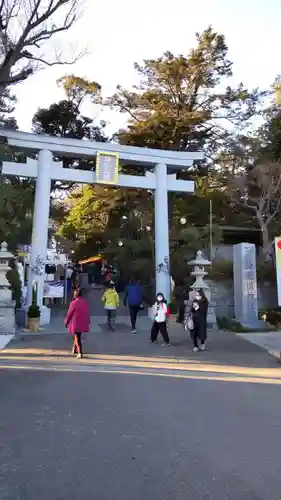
[
  {"x": 111, "y": 301},
  {"x": 160, "y": 313},
  {"x": 77, "y": 321}
]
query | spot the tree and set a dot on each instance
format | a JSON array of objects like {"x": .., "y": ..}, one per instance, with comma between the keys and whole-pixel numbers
[
  {"x": 87, "y": 212},
  {"x": 16, "y": 208},
  {"x": 77, "y": 89},
  {"x": 25, "y": 27},
  {"x": 269, "y": 135},
  {"x": 64, "y": 119},
  {"x": 180, "y": 104},
  {"x": 98, "y": 218},
  {"x": 184, "y": 243},
  {"x": 259, "y": 190},
  {"x": 16, "y": 199}
]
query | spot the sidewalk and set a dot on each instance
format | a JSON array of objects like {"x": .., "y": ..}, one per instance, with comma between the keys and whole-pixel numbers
[
  {"x": 269, "y": 341},
  {"x": 224, "y": 349}
]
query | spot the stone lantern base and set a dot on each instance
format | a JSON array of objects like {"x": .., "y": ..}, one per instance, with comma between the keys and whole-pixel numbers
[
  {"x": 7, "y": 305},
  {"x": 7, "y": 318}
]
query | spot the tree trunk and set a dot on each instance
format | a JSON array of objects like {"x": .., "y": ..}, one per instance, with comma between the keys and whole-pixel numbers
[{"x": 266, "y": 243}]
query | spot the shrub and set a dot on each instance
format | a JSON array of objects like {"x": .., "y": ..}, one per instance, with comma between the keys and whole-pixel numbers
[
  {"x": 273, "y": 316},
  {"x": 34, "y": 311},
  {"x": 221, "y": 270},
  {"x": 149, "y": 294},
  {"x": 173, "y": 307},
  {"x": 266, "y": 272},
  {"x": 232, "y": 325},
  {"x": 15, "y": 285}
]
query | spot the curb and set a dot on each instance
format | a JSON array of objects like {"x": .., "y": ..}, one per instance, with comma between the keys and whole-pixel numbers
[
  {"x": 5, "y": 339},
  {"x": 276, "y": 354}
]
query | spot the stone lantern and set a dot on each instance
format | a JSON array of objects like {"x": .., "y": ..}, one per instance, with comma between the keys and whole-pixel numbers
[
  {"x": 199, "y": 273},
  {"x": 7, "y": 305},
  {"x": 199, "y": 264}
]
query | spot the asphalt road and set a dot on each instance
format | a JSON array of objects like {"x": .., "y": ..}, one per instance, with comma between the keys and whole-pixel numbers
[{"x": 89, "y": 435}]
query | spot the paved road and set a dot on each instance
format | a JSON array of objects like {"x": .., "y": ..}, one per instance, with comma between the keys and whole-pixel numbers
[{"x": 134, "y": 422}]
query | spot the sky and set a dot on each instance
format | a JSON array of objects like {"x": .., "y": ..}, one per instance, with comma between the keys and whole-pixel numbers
[{"x": 117, "y": 33}]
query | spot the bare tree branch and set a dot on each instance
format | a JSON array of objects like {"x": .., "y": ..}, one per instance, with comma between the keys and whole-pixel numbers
[
  {"x": 259, "y": 190},
  {"x": 25, "y": 25}
]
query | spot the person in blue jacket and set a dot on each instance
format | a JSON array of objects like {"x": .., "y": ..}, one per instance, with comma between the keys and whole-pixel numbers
[{"x": 133, "y": 298}]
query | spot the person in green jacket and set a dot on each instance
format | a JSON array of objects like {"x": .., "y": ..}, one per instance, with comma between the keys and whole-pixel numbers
[{"x": 111, "y": 301}]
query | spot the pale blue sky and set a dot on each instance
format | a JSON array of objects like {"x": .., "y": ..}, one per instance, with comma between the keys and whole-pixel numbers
[{"x": 119, "y": 32}]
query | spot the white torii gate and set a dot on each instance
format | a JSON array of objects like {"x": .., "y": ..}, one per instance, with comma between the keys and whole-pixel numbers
[{"x": 45, "y": 170}]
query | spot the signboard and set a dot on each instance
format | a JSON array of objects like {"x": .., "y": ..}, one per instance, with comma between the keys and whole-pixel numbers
[
  {"x": 277, "y": 242},
  {"x": 52, "y": 290},
  {"x": 245, "y": 283},
  {"x": 107, "y": 165},
  {"x": 52, "y": 258}
]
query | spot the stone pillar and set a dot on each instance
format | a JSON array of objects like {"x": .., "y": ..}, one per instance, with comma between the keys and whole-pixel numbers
[
  {"x": 7, "y": 305},
  {"x": 36, "y": 271},
  {"x": 162, "y": 251},
  {"x": 245, "y": 284}
]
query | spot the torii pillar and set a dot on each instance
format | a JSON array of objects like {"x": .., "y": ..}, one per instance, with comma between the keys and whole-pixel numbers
[{"x": 162, "y": 247}]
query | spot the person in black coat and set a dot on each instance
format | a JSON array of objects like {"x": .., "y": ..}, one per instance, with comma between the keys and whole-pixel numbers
[
  {"x": 199, "y": 312},
  {"x": 180, "y": 296}
]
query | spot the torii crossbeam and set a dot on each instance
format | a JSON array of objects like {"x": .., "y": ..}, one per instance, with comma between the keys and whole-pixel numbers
[{"x": 45, "y": 169}]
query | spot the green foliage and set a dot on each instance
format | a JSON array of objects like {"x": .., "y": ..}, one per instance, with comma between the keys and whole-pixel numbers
[
  {"x": 181, "y": 104},
  {"x": 34, "y": 293},
  {"x": 149, "y": 294},
  {"x": 232, "y": 325},
  {"x": 185, "y": 242},
  {"x": 221, "y": 270},
  {"x": 34, "y": 311},
  {"x": 266, "y": 272},
  {"x": 63, "y": 119},
  {"x": 16, "y": 204},
  {"x": 270, "y": 134},
  {"x": 173, "y": 307},
  {"x": 272, "y": 316},
  {"x": 180, "y": 99},
  {"x": 78, "y": 89},
  {"x": 13, "y": 278},
  {"x": 86, "y": 217},
  {"x": 16, "y": 199}
]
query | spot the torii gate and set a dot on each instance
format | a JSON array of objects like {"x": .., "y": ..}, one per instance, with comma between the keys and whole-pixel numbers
[{"x": 45, "y": 169}]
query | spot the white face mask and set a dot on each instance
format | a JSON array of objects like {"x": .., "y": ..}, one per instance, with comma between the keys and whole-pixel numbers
[
  {"x": 159, "y": 298},
  {"x": 198, "y": 297}
]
